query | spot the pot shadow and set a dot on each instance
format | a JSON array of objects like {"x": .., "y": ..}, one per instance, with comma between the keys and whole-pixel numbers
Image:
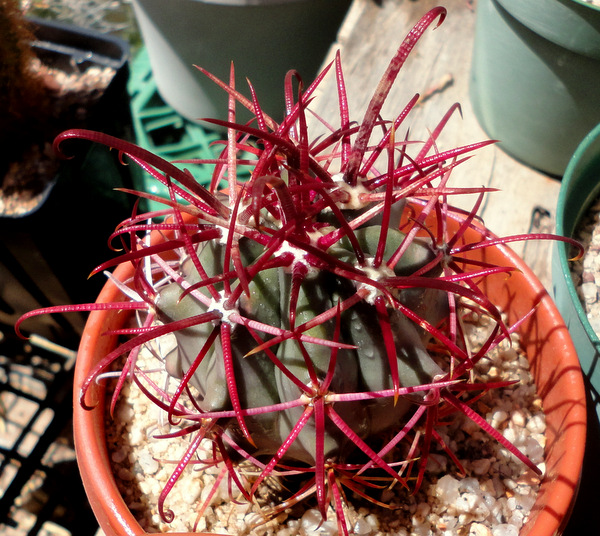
[{"x": 587, "y": 497}]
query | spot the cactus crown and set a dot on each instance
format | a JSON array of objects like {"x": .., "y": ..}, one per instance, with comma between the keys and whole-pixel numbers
[{"x": 316, "y": 306}]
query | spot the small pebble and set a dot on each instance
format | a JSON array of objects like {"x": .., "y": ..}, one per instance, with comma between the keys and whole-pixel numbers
[{"x": 481, "y": 466}]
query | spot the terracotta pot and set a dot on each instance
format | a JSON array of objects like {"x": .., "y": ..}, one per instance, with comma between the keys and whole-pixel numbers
[{"x": 544, "y": 337}]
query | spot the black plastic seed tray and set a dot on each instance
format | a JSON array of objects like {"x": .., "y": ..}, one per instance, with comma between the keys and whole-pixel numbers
[{"x": 40, "y": 487}]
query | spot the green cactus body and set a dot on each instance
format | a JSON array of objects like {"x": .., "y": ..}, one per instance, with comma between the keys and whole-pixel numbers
[{"x": 261, "y": 383}]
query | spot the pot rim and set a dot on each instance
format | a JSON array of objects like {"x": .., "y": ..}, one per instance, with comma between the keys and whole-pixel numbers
[{"x": 577, "y": 31}]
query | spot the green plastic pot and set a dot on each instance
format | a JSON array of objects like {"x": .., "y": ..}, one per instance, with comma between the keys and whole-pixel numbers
[
  {"x": 535, "y": 77},
  {"x": 579, "y": 188}
]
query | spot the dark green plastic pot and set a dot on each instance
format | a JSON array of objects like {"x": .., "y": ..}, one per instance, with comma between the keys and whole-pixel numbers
[
  {"x": 579, "y": 188},
  {"x": 47, "y": 251},
  {"x": 535, "y": 77}
]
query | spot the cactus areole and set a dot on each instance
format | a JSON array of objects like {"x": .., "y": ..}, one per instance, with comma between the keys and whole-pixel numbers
[{"x": 317, "y": 305}]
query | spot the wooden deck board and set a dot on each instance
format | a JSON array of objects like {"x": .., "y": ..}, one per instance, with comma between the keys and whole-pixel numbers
[{"x": 368, "y": 39}]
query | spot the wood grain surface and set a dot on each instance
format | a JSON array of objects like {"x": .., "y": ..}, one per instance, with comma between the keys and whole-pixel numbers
[{"x": 439, "y": 69}]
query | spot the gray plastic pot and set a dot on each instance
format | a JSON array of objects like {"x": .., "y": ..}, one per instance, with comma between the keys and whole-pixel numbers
[
  {"x": 264, "y": 39},
  {"x": 580, "y": 187},
  {"x": 535, "y": 77}
]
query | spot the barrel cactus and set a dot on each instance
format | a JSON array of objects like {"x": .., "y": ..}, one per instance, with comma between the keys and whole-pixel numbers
[{"x": 316, "y": 306}]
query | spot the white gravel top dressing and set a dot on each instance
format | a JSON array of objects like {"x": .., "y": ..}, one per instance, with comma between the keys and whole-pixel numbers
[
  {"x": 493, "y": 499},
  {"x": 586, "y": 271}
]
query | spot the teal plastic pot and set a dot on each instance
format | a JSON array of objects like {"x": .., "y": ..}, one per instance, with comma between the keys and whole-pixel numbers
[
  {"x": 579, "y": 188},
  {"x": 263, "y": 38},
  {"x": 535, "y": 77}
]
